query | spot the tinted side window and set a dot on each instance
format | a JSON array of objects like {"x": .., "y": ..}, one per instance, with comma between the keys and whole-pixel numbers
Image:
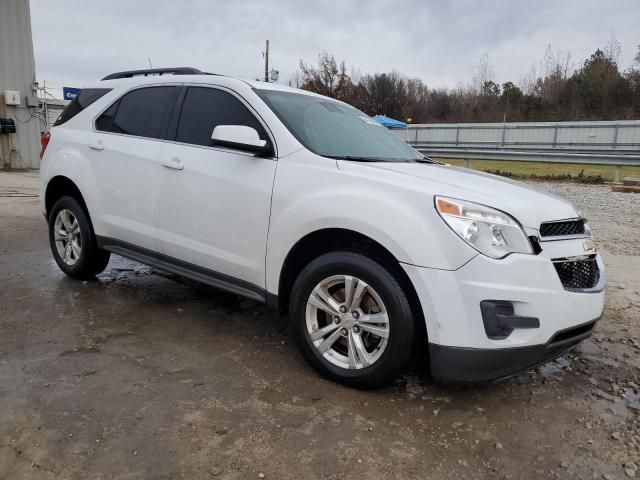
[
  {"x": 85, "y": 98},
  {"x": 205, "y": 108},
  {"x": 142, "y": 112},
  {"x": 105, "y": 121}
]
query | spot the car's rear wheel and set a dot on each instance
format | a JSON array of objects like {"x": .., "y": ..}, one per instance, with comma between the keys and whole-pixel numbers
[
  {"x": 352, "y": 320},
  {"x": 73, "y": 242}
]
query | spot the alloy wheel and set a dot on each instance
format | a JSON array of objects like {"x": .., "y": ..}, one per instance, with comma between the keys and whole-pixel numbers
[
  {"x": 67, "y": 237},
  {"x": 347, "y": 322}
]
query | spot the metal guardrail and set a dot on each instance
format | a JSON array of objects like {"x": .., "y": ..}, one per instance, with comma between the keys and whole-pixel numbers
[{"x": 594, "y": 143}]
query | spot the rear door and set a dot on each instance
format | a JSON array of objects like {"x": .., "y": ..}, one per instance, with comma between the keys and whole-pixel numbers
[
  {"x": 213, "y": 202},
  {"x": 127, "y": 140}
]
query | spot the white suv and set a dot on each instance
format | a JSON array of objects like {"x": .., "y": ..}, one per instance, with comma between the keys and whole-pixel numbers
[{"x": 307, "y": 204}]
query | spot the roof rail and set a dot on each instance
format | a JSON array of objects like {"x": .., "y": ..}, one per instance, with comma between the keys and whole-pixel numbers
[{"x": 156, "y": 71}]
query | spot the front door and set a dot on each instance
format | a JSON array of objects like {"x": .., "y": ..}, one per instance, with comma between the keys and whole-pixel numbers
[{"x": 214, "y": 203}]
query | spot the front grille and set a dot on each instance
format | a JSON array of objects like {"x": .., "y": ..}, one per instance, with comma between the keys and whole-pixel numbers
[
  {"x": 578, "y": 274},
  {"x": 564, "y": 227}
]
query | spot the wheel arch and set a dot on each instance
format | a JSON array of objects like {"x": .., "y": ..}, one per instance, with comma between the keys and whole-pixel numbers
[
  {"x": 60, "y": 186},
  {"x": 327, "y": 240}
]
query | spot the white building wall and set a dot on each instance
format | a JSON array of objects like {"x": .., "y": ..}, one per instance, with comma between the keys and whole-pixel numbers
[{"x": 17, "y": 72}]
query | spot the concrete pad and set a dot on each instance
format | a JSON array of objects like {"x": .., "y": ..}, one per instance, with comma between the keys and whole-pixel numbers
[{"x": 25, "y": 183}]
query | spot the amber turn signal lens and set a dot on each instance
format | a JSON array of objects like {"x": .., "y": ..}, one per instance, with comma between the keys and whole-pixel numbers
[{"x": 448, "y": 208}]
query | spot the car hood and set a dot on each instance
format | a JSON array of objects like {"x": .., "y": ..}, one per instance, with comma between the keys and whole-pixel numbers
[{"x": 529, "y": 205}]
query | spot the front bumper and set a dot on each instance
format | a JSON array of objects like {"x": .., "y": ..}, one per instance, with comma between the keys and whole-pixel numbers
[
  {"x": 459, "y": 346},
  {"x": 471, "y": 365}
]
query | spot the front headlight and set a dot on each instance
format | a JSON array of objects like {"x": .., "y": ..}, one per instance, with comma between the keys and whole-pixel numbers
[{"x": 490, "y": 231}]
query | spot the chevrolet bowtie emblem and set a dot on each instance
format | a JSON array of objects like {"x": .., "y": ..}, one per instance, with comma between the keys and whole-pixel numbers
[{"x": 590, "y": 246}]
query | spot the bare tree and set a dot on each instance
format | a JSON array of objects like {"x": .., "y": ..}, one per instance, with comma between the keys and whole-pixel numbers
[
  {"x": 483, "y": 73},
  {"x": 528, "y": 80},
  {"x": 295, "y": 80},
  {"x": 633, "y": 77},
  {"x": 552, "y": 89},
  {"x": 613, "y": 50},
  {"x": 327, "y": 78}
]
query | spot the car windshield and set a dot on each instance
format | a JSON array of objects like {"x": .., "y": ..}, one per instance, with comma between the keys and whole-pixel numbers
[{"x": 336, "y": 130}]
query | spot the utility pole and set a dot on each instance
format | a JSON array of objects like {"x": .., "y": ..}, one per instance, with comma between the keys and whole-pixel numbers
[
  {"x": 44, "y": 104},
  {"x": 266, "y": 63}
]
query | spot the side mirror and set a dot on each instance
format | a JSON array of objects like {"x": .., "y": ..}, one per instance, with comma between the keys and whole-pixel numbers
[{"x": 240, "y": 137}]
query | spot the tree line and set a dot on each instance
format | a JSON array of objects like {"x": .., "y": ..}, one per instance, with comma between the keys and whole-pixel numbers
[{"x": 553, "y": 90}]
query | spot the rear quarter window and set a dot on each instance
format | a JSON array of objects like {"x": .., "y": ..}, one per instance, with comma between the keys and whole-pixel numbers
[{"x": 86, "y": 97}]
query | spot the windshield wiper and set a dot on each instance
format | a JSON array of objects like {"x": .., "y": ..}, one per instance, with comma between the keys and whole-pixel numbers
[
  {"x": 370, "y": 159},
  {"x": 426, "y": 159}
]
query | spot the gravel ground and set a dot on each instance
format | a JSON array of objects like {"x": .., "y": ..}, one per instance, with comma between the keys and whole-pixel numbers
[
  {"x": 139, "y": 375},
  {"x": 614, "y": 217}
]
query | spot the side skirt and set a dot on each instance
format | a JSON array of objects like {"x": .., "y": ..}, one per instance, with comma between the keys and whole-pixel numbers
[{"x": 184, "y": 269}]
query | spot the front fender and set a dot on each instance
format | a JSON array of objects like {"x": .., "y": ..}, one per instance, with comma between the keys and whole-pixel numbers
[{"x": 400, "y": 219}]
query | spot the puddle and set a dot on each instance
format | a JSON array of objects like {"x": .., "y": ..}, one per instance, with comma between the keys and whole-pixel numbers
[
  {"x": 612, "y": 411},
  {"x": 604, "y": 360},
  {"x": 414, "y": 386},
  {"x": 618, "y": 406},
  {"x": 588, "y": 347},
  {"x": 555, "y": 367},
  {"x": 632, "y": 398}
]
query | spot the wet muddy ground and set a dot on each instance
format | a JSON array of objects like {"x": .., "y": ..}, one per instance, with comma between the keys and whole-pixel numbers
[{"x": 141, "y": 375}]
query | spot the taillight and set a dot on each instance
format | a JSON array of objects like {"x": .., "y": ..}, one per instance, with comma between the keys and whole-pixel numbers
[{"x": 44, "y": 141}]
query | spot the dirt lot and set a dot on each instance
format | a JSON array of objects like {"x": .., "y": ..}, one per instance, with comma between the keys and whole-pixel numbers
[{"x": 137, "y": 375}]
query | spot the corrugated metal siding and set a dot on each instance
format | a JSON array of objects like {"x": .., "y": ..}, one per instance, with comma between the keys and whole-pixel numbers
[
  {"x": 53, "y": 113},
  {"x": 17, "y": 72}
]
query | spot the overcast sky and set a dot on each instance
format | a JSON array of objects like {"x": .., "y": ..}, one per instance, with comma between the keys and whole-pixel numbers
[{"x": 78, "y": 41}]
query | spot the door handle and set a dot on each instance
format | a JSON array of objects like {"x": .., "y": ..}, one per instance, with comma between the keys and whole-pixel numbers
[
  {"x": 173, "y": 163},
  {"x": 97, "y": 145}
]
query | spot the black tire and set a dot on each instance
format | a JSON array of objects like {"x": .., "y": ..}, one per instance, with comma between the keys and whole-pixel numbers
[
  {"x": 397, "y": 354},
  {"x": 92, "y": 260}
]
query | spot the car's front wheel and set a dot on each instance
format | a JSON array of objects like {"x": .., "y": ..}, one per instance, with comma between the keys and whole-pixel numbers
[
  {"x": 73, "y": 242},
  {"x": 352, "y": 320}
]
